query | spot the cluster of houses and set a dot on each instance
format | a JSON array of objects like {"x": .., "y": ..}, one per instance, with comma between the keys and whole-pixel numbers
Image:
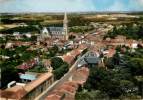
[
  {"x": 101, "y": 27},
  {"x": 12, "y": 44},
  {"x": 68, "y": 89},
  {"x": 34, "y": 84},
  {"x": 29, "y": 64},
  {"x": 18, "y": 36},
  {"x": 122, "y": 41}
]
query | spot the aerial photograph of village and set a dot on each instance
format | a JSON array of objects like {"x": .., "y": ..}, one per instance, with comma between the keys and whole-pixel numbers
[{"x": 71, "y": 49}]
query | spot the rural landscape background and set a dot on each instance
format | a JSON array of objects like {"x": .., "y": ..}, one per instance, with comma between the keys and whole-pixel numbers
[{"x": 71, "y": 49}]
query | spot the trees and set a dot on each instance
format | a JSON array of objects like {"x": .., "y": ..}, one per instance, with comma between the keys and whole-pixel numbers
[
  {"x": 72, "y": 37},
  {"x": 53, "y": 51},
  {"x": 127, "y": 86},
  {"x": 38, "y": 68},
  {"x": 121, "y": 80},
  {"x": 129, "y": 30},
  {"x": 60, "y": 67},
  {"x": 136, "y": 65},
  {"x": 8, "y": 73},
  {"x": 140, "y": 31},
  {"x": 116, "y": 81},
  {"x": 139, "y": 80},
  {"x": 21, "y": 29},
  {"x": 56, "y": 62},
  {"x": 25, "y": 39},
  {"x": 59, "y": 72},
  {"x": 103, "y": 80},
  {"x": 78, "y": 21},
  {"x": 8, "y": 66},
  {"x": 91, "y": 95}
]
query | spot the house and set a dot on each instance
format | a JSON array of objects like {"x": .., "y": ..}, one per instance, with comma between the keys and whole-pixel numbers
[
  {"x": 17, "y": 35},
  {"x": 109, "y": 53},
  {"x": 29, "y": 64},
  {"x": 68, "y": 89},
  {"x": 28, "y": 35},
  {"x": 81, "y": 75},
  {"x": 30, "y": 90},
  {"x": 71, "y": 56}
]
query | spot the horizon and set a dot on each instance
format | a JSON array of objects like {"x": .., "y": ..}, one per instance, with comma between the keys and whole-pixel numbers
[
  {"x": 76, "y": 12},
  {"x": 48, "y": 6}
]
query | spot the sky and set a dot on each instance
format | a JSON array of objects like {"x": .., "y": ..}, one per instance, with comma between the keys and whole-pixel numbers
[{"x": 69, "y": 5}]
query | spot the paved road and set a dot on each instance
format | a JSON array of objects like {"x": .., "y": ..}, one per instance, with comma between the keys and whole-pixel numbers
[{"x": 63, "y": 79}]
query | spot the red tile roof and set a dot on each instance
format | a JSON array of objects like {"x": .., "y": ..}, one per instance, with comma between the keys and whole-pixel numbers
[
  {"x": 81, "y": 75},
  {"x": 27, "y": 65},
  {"x": 18, "y": 43},
  {"x": 72, "y": 83},
  {"x": 57, "y": 93},
  {"x": 65, "y": 91},
  {"x": 53, "y": 97},
  {"x": 69, "y": 59},
  {"x": 15, "y": 92},
  {"x": 68, "y": 89},
  {"x": 70, "y": 56},
  {"x": 111, "y": 52}
]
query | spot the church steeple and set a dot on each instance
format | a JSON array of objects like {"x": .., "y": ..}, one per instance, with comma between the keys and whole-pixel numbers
[{"x": 65, "y": 26}]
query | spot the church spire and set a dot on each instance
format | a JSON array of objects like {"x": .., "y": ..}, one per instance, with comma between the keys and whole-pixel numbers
[
  {"x": 65, "y": 17},
  {"x": 65, "y": 26}
]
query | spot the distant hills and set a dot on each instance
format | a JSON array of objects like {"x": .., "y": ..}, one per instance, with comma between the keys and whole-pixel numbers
[{"x": 90, "y": 12}]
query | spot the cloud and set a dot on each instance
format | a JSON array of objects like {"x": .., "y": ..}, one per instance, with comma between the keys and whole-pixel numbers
[
  {"x": 136, "y": 5},
  {"x": 140, "y": 2},
  {"x": 48, "y": 5},
  {"x": 1, "y": 1},
  {"x": 69, "y": 5},
  {"x": 116, "y": 6},
  {"x": 126, "y": 5},
  {"x": 61, "y": 5}
]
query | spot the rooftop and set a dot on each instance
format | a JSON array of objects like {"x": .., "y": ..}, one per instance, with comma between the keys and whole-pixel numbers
[
  {"x": 68, "y": 89},
  {"x": 81, "y": 75},
  {"x": 28, "y": 76},
  {"x": 30, "y": 86},
  {"x": 27, "y": 65},
  {"x": 17, "y": 92},
  {"x": 53, "y": 97},
  {"x": 70, "y": 56},
  {"x": 55, "y": 29}
]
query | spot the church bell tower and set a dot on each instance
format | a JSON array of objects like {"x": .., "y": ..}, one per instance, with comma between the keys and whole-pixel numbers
[{"x": 65, "y": 26}]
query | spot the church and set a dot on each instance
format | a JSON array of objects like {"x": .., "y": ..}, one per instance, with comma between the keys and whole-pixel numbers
[{"x": 60, "y": 33}]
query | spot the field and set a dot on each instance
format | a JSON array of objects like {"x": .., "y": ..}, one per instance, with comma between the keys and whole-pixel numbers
[{"x": 10, "y": 21}]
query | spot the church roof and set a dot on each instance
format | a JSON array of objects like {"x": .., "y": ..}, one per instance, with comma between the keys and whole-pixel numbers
[{"x": 58, "y": 29}]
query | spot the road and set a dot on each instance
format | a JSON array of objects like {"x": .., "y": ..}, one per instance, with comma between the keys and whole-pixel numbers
[{"x": 62, "y": 80}]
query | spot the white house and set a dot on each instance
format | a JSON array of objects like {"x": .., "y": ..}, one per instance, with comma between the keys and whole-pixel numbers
[
  {"x": 134, "y": 45},
  {"x": 28, "y": 35}
]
